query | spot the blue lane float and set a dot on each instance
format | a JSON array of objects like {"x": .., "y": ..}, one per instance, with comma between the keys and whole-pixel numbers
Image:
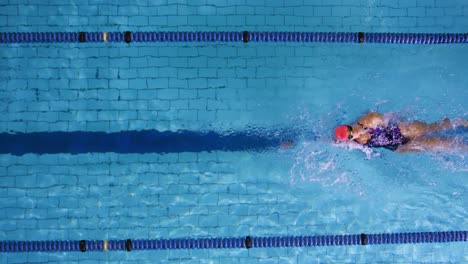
[
  {"x": 146, "y": 141},
  {"x": 234, "y": 36},
  {"x": 247, "y": 242}
]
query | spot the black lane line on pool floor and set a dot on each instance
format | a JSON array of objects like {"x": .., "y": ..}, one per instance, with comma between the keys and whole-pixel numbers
[{"x": 146, "y": 141}]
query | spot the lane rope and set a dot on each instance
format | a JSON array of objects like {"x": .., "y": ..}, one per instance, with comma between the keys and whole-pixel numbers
[
  {"x": 248, "y": 242},
  {"x": 244, "y": 36}
]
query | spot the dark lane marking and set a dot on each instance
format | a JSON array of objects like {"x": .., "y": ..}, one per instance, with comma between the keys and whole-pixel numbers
[{"x": 147, "y": 141}]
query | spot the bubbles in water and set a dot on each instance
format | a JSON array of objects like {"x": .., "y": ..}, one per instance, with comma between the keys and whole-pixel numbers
[
  {"x": 453, "y": 163},
  {"x": 312, "y": 162},
  {"x": 353, "y": 146},
  {"x": 318, "y": 162}
]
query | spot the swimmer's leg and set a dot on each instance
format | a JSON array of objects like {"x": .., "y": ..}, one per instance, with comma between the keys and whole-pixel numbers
[
  {"x": 417, "y": 128},
  {"x": 433, "y": 144}
]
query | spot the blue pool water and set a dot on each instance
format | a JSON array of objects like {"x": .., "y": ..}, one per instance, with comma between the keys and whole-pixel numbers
[{"x": 256, "y": 90}]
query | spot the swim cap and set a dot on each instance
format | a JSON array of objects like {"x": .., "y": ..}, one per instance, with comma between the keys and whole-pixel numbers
[{"x": 342, "y": 133}]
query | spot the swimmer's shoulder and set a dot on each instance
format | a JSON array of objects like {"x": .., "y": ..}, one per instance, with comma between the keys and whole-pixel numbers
[
  {"x": 372, "y": 120},
  {"x": 373, "y": 115}
]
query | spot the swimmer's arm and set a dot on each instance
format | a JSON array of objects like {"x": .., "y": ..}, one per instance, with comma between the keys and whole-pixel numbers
[
  {"x": 407, "y": 149},
  {"x": 363, "y": 139},
  {"x": 371, "y": 120}
]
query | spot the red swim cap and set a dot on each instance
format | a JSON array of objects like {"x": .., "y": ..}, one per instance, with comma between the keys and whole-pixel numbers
[{"x": 342, "y": 133}]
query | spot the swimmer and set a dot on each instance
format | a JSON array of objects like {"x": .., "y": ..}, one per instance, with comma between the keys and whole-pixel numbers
[{"x": 376, "y": 130}]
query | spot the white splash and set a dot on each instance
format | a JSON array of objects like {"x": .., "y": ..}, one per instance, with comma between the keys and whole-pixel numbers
[
  {"x": 353, "y": 146},
  {"x": 453, "y": 163},
  {"x": 312, "y": 163}
]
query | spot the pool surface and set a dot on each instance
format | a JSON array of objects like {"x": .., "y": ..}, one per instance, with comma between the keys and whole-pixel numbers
[{"x": 221, "y": 112}]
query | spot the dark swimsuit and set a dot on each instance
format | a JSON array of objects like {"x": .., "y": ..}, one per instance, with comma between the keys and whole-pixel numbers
[{"x": 389, "y": 137}]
